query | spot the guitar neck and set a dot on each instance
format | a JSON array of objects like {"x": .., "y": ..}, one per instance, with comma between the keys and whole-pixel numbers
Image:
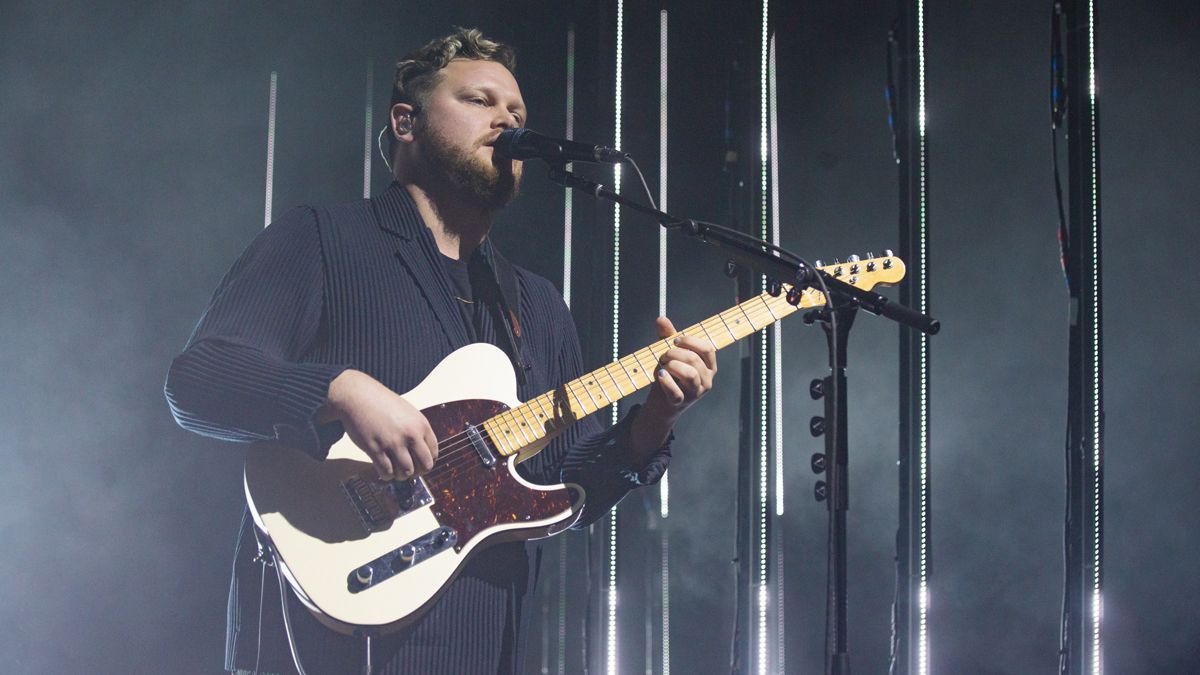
[{"x": 546, "y": 415}]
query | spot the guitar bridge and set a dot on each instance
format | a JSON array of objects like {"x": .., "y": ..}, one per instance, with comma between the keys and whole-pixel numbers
[{"x": 379, "y": 503}]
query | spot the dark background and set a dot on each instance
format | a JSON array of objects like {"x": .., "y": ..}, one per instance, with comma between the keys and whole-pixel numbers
[{"x": 132, "y": 157}]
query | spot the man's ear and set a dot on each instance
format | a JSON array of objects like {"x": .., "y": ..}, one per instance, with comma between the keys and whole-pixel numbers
[{"x": 402, "y": 122}]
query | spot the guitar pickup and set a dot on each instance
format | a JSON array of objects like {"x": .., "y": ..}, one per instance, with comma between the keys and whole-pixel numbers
[
  {"x": 379, "y": 503},
  {"x": 398, "y": 560}
]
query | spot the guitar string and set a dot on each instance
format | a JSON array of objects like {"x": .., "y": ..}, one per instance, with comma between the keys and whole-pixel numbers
[
  {"x": 753, "y": 312},
  {"x": 446, "y": 456},
  {"x": 447, "y": 459}
]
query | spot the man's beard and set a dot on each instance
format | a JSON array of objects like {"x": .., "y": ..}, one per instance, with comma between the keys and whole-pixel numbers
[{"x": 464, "y": 176}]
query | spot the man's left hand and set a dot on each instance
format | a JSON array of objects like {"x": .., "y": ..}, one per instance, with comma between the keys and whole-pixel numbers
[{"x": 685, "y": 374}]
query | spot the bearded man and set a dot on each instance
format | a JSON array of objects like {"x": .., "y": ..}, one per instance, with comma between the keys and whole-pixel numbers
[{"x": 334, "y": 309}]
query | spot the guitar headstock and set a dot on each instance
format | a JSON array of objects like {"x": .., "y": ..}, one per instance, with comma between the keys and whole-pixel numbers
[{"x": 866, "y": 273}]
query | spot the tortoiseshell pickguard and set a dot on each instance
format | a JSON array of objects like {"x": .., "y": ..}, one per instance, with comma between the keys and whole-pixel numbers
[{"x": 469, "y": 496}]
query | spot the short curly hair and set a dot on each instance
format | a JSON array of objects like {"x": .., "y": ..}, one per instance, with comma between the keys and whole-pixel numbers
[{"x": 419, "y": 72}]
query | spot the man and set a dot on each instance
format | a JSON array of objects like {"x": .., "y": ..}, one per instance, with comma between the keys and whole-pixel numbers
[{"x": 333, "y": 310}]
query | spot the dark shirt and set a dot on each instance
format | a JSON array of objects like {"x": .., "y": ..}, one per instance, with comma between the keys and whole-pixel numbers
[{"x": 363, "y": 285}]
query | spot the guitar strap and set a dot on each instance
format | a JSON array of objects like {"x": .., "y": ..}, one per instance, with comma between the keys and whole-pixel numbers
[{"x": 509, "y": 306}]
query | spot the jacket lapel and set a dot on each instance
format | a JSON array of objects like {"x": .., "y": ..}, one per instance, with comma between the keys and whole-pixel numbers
[{"x": 416, "y": 249}]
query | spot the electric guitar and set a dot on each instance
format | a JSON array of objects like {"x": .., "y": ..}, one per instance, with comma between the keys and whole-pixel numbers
[{"x": 368, "y": 556}]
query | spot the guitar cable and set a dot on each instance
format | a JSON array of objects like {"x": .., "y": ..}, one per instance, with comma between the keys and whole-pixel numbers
[{"x": 287, "y": 621}]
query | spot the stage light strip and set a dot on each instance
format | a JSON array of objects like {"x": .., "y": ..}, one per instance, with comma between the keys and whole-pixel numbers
[
  {"x": 777, "y": 356},
  {"x": 1097, "y": 409},
  {"x": 368, "y": 135},
  {"x": 923, "y": 347},
  {"x": 764, "y": 448},
  {"x": 611, "y": 628},
  {"x": 777, "y": 371},
  {"x": 664, "y": 493},
  {"x": 568, "y": 213},
  {"x": 270, "y": 148}
]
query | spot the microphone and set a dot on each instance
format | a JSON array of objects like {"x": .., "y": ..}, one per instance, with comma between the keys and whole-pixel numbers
[{"x": 525, "y": 144}]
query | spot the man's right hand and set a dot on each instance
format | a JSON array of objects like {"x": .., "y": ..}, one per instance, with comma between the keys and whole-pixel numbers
[{"x": 394, "y": 434}]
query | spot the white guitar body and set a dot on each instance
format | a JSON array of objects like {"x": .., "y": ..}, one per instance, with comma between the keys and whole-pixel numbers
[{"x": 368, "y": 556}]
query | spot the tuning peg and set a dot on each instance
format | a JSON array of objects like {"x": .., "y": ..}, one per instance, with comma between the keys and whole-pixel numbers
[
  {"x": 816, "y": 388},
  {"x": 817, "y": 462},
  {"x": 887, "y": 252},
  {"x": 870, "y": 255},
  {"x": 816, "y": 426},
  {"x": 819, "y": 263},
  {"x": 820, "y": 491},
  {"x": 853, "y": 258},
  {"x": 837, "y": 261},
  {"x": 793, "y": 296}
]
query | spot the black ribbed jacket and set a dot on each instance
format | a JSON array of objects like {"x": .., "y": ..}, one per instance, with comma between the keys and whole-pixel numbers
[{"x": 361, "y": 285}]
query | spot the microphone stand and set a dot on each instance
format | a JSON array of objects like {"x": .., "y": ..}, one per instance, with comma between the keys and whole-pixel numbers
[{"x": 842, "y": 303}]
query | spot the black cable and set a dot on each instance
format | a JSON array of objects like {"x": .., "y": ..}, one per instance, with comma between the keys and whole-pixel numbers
[
  {"x": 645, "y": 186},
  {"x": 287, "y": 621}
]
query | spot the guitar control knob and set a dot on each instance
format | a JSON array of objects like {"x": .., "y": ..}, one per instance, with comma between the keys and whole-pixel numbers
[
  {"x": 818, "y": 462},
  {"x": 364, "y": 574},
  {"x": 820, "y": 491},
  {"x": 816, "y": 388},
  {"x": 816, "y": 426}
]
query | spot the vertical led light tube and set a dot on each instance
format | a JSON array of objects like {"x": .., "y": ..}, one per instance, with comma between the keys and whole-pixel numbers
[
  {"x": 664, "y": 490},
  {"x": 611, "y": 627},
  {"x": 567, "y": 192},
  {"x": 777, "y": 355},
  {"x": 368, "y": 131},
  {"x": 923, "y": 367},
  {"x": 267, "y": 209},
  {"x": 777, "y": 370},
  {"x": 764, "y": 371},
  {"x": 1097, "y": 665}
]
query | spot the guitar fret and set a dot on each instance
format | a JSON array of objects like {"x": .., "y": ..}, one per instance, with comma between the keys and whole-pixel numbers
[
  {"x": 614, "y": 379},
  {"x": 528, "y": 422},
  {"x": 709, "y": 337},
  {"x": 637, "y": 369},
  {"x": 649, "y": 372},
  {"x": 748, "y": 320},
  {"x": 596, "y": 406},
  {"x": 721, "y": 316},
  {"x": 494, "y": 427},
  {"x": 547, "y": 416},
  {"x": 762, "y": 299},
  {"x": 516, "y": 426}
]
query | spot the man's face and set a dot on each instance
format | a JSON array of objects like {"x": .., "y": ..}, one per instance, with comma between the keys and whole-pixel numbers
[{"x": 465, "y": 113}]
